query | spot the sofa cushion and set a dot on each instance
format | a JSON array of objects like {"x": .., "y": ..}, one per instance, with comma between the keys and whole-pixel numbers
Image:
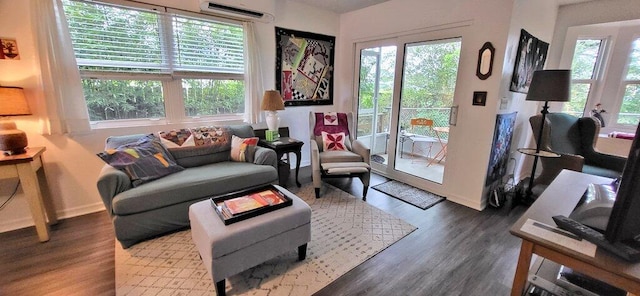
[
  {"x": 193, "y": 184},
  {"x": 143, "y": 161},
  {"x": 339, "y": 156},
  {"x": 177, "y": 138},
  {"x": 333, "y": 141},
  {"x": 243, "y": 149},
  {"x": 211, "y": 144}
]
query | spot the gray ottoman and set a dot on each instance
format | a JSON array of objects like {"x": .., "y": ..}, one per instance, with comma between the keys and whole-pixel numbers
[{"x": 231, "y": 249}]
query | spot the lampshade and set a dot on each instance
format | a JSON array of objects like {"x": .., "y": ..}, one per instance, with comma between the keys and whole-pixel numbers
[
  {"x": 550, "y": 85},
  {"x": 13, "y": 101},
  {"x": 272, "y": 101}
]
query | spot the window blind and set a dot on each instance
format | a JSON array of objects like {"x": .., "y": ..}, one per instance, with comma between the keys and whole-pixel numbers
[
  {"x": 110, "y": 38},
  {"x": 207, "y": 46}
]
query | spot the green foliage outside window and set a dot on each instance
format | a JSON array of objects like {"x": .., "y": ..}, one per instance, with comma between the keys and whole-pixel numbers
[{"x": 129, "y": 58}]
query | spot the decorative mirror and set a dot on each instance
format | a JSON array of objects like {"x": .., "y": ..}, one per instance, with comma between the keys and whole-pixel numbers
[{"x": 485, "y": 61}]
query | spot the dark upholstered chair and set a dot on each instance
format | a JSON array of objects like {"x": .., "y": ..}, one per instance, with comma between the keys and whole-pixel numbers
[
  {"x": 574, "y": 139},
  {"x": 350, "y": 159}
]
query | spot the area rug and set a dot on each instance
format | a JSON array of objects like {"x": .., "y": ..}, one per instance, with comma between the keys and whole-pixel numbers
[
  {"x": 345, "y": 231},
  {"x": 409, "y": 194}
]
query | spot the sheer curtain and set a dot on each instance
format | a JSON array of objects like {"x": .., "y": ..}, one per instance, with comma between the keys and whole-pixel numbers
[
  {"x": 253, "y": 76},
  {"x": 65, "y": 104}
]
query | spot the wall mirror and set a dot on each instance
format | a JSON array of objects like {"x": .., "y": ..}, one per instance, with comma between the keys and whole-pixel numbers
[{"x": 485, "y": 61}]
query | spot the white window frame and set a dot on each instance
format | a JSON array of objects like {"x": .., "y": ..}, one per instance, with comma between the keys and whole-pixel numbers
[
  {"x": 609, "y": 83},
  {"x": 171, "y": 83},
  {"x": 624, "y": 83}
]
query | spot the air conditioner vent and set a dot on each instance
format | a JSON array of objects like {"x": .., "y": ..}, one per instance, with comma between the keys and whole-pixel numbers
[
  {"x": 249, "y": 13},
  {"x": 254, "y": 10}
]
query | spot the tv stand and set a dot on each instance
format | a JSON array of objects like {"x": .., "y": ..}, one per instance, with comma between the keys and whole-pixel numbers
[{"x": 560, "y": 198}]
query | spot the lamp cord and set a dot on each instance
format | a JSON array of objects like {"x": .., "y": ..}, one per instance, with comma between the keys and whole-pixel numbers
[{"x": 15, "y": 190}]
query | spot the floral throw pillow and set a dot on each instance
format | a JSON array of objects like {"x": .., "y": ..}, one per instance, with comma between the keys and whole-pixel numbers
[
  {"x": 333, "y": 142},
  {"x": 243, "y": 149},
  {"x": 143, "y": 161}
]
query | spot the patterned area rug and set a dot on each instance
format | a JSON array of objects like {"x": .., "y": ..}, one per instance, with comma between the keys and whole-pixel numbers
[
  {"x": 345, "y": 231},
  {"x": 409, "y": 194}
]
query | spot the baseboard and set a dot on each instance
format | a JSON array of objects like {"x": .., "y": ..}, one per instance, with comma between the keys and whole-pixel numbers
[
  {"x": 63, "y": 214},
  {"x": 468, "y": 203}
]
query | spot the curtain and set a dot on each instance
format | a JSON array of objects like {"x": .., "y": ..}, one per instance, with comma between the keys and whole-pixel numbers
[
  {"x": 64, "y": 99},
  {"x": 253, "y": 75}
]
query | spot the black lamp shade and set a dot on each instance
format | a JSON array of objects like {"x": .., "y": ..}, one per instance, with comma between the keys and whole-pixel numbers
[{"x": 550, "y": 85}]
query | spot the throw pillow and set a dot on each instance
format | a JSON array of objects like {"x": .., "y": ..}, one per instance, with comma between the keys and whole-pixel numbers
[
  {"x": 177, "y": 138},
  {"x": 143, "y": 161},
  {"x": 333, "y": 142},
  {"x": 243, "y": 149}
]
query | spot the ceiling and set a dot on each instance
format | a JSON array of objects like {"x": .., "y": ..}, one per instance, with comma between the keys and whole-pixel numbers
[{"x": 343, "y": 6}]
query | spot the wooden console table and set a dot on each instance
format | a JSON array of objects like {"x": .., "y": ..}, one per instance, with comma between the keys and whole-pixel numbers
[
  {"x": 560, "y": 198},
  {"x": 29, "y": 169}
]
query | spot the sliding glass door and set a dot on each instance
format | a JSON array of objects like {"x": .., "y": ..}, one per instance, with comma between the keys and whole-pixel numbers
[
  {"x": 405, "y": 91},
  {"x": 429, "y": 77},
  {"x": 377, "y": 66}
]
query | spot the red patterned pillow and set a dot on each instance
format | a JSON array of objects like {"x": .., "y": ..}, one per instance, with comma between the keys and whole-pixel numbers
[
  {"x": 333, "y": 142},
  {"x": 243, "y": 149}
]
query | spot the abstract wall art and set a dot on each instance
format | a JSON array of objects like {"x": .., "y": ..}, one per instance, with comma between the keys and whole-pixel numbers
[
  {"x": 304, "y": 67},
  {"x": 531, "y": 56}
]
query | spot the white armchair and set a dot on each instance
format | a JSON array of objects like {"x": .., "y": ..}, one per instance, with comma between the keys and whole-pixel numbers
[{"x": 334, "y": 154}]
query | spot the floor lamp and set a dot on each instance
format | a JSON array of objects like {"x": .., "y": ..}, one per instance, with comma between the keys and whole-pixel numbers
[{"x": 546, "y": 86}]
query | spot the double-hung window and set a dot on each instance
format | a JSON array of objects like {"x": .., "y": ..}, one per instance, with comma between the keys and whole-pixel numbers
[
  {"x": 586, "y": 65},
  {"x": 605, "y": 64},
  {"x": 630, "y": 105},
  {"x": 150, "y": 63}
]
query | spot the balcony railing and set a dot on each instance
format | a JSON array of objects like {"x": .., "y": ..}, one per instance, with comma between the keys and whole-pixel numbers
[{"x": 440, "y": 117}]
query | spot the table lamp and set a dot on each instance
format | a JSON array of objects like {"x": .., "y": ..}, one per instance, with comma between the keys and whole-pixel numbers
[
  {"x": 271, "y": 102},
  {"x": 12, "y": 103},
  {"x": 547, "y": 86}
]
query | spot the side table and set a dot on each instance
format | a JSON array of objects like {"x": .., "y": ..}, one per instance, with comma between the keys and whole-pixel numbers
[
  {"x": 282, "y": 146},
  {"x": 29, "y": 169}
]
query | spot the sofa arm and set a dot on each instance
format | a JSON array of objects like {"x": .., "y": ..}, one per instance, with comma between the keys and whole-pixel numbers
[
  {"x": 265, "y": 156},
  {"x": 111, "y": 182},
  {"x": 362, "y": 150}
]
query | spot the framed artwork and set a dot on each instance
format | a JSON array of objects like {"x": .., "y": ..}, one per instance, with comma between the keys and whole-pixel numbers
[
  {"x": 479, "y": 98},
  {"x": 531, "y": 56},
  {"x": 304, "y": 67},
  {"x": 9, "y": 49},
  {"x": 500, "y": 147}
]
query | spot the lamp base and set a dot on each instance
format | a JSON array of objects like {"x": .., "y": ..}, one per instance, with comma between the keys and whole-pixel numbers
[
  {"x": 273, "y": 121},
  {"x": 12, "y": 140}
]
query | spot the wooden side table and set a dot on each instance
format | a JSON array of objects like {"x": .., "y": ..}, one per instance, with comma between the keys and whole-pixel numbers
[
  {"x": 284, "y": 145},
  {"x": 29, "y": 169}
]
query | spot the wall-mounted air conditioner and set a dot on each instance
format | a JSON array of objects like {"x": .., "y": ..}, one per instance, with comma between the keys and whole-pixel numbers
[{"x": 260, "y": 10}]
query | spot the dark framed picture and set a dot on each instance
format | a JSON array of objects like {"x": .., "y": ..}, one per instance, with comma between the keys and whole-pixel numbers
[
  {"x": 498, "y": 161},
  {"x": 531, "y": 56},
  {"x": 479, "y": 98},
  {"x": 304, "y": 67}
]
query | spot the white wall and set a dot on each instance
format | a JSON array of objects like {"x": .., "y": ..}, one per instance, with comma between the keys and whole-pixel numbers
[
  {"x": 497, "y": 21},
  {"x": 538, "y": 18},
  {"x": 70, "y": 162}
]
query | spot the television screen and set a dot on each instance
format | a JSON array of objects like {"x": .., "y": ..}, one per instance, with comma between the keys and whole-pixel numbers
[{"x": 624, "y": 222}]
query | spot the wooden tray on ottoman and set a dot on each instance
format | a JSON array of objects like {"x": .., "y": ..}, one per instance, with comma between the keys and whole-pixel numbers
[{"x": 245, "y": 204}]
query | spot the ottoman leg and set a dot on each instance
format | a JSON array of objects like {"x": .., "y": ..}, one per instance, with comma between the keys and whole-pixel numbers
[
  {"x": 302, "y": 252},
  {"x": 220, "y": 288}
]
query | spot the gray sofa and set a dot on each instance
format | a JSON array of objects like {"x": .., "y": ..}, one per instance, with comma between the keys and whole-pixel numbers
[{"x": 162, "y": 206}]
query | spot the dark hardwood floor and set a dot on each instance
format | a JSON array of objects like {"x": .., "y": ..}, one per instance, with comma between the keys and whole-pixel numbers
[{"x": 454, "y": 251}]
